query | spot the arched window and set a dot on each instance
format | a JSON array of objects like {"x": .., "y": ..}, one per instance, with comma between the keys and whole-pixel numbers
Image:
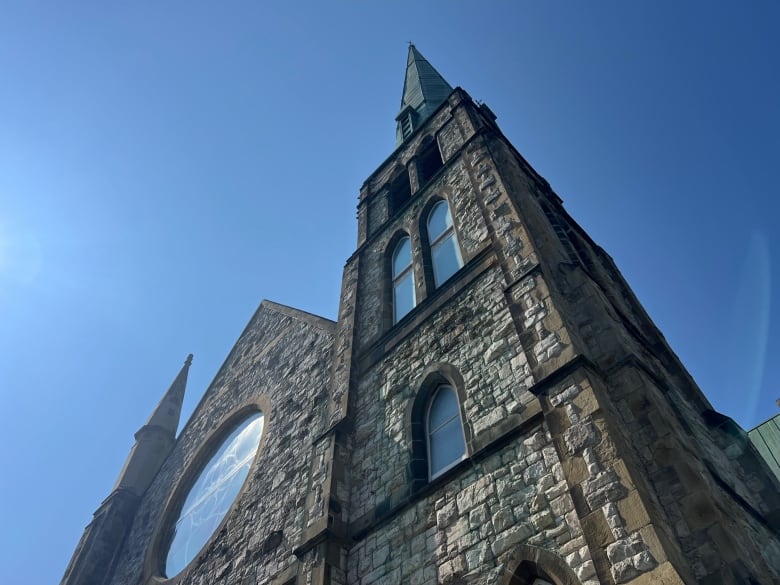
[
  {"x": 444, "y": 431},
  {"x": 403, "y": 279},
  {"x": 400, "y": 191},
  {"x": 429, "y": 162},
  {"x": 445, "y": 253}
]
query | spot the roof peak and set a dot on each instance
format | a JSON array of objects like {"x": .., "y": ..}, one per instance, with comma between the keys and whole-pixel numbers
[{"x": 413, "y": 54}]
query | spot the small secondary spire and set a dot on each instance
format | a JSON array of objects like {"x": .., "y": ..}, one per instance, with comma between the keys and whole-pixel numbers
[
  {"x": 154, "y": 440},
  {"x": 166, "y": 414}
]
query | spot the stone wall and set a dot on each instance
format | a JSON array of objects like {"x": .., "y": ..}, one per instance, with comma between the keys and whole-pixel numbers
[
  {"x": 473, "y": 334},
  {"x": 282, "y": 359},
  {"x": 469, "y": 527},
  {"x": 698, "y": 487},
  {"x": 719, "y": 504}
]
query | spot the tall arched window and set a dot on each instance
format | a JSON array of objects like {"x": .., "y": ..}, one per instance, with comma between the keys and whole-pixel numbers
[
  {"x": 444, "y": 431},
  {"x": 445, "y": 253},
  {"x": 403, "y": 279}
]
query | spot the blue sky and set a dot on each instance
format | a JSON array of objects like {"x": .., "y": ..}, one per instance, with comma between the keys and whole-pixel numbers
[{"x": 165, "y": 166}]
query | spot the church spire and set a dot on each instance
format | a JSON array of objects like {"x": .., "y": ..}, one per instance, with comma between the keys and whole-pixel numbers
[
  {"x": 166, "y": 414},
  {"x": 155, "y": 439},
  {"x": 424, "y": 91},
  {"x": 103, "y": 537}
]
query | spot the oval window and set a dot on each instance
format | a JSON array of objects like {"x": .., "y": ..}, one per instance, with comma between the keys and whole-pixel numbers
[{"x": 213, "y": 492}]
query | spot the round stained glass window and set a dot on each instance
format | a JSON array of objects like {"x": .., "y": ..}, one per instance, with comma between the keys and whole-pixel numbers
[{"x": 213, "y": 492}]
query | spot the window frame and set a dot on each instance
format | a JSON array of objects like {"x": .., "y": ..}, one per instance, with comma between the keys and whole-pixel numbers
[
  {"x": 444, "y": 386},
  {"x": 448, "y": 233},
  {"x": 395, "y": 279}
]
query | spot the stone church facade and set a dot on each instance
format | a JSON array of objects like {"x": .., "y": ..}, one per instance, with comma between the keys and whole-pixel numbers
[{"x": 492, "y": 406}]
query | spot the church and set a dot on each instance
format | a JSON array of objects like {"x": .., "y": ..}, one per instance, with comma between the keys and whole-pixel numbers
[{"x": 492, "y": 406}]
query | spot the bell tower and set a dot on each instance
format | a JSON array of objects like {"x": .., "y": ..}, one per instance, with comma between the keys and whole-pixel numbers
[
  {"x": 502, "y": 409},
  {"x": 493, "y": 406}
]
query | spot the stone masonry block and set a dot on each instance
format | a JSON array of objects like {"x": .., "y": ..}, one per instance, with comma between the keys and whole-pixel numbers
[
  {"x": 664, "y": 574},
  {"x": 451, "y": 569},
  {"x": 511, "y": 537},
  {"x": 604, "y": 487},
  {"x": 446, "y": 515},
  {"x": 699, "y": 510},
  {"x": 587, "y": 403},
  {"x": 503, "y": 519},
  {"x": 595, "y": 525},
  {"x": 633, "y": 511},
  {"x": 575, "y": 469},
  {"x": 580, "y": 435}
]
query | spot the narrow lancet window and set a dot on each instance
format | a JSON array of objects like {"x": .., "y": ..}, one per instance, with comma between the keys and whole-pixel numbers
[
  {"x": 446, "y": 445},
  {"x": 429, "y": 162},
  {"x": 445, "y": 253},
  {"x": 400, "y": 191},
  {"x": 403, "y": 280}
]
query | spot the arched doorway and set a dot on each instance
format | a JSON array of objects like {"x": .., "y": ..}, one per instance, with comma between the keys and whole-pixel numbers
[{"x": 530, "y": 565}]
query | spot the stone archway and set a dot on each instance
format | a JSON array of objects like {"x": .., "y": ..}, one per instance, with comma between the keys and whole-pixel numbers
[{"x": 530, "y": 565}]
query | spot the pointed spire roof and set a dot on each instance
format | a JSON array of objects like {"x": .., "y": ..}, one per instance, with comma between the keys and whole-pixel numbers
[
  {"x": 154, "y": 440},
  {"x": 166, "y": 415},
  {"x": 424, "y": 91}
]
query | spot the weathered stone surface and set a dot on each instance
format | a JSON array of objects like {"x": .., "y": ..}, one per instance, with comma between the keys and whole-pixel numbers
[
  {"x": 580, "y": 435},
  {"x": 565, "y": 395},
  {"x": 633, "y": 511},
  {"x": 603, "y": 488},
  {"x": 508, "y": 538},
  {"x": 629, "y": 557},
  {"x": 268, "y": 361},
  {"x": 664, "y": 574},
  {"x": 625, "y": 548}
]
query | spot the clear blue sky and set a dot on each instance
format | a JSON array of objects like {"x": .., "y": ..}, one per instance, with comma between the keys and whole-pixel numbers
[{"x": 164, "y": 166}]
